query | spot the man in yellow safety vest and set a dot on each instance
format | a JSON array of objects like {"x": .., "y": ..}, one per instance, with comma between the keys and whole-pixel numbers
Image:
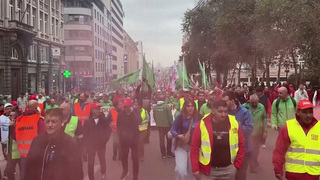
[
  {"x": 298, "y": 146},
  {"x": 218, "y": 146}
]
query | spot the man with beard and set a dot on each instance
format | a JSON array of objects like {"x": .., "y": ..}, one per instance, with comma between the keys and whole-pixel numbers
[
  {"x": 206, "y": 108},
  {"x": 201, "y": 100}
]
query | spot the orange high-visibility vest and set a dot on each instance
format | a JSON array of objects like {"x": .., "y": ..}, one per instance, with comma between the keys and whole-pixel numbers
[
  {"x": 26, "y": 130},
  {"x": 114, "y": 116},
  {"x": 42, "y": 111},
  {"x": 82, "y": 114}
]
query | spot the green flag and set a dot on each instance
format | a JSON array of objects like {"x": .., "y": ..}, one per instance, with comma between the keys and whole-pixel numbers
[
  {"x": 145, "y": 73},
  {"x": 183, "y": 80},
  {"x": 145, "y": 69},
  {"x": 203, "y": 74},
  {"x": 151, "y": 77},
  {"x": 129, "y": 78}
]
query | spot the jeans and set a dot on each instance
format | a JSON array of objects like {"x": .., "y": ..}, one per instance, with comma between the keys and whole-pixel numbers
[
  {"x": 256, "y": 142},
  {"x": 23, "y": 168},
  {"x": 4, "y": 147},
  {"x": 163, "y": 131},
  {"x": 242, "y": 172},
  {"x": 115, "y": 144},
  {"x": 134, "y": 147},
  {"x": 11, "y": 167},
  {"x": 221, "y": 173},
  {"x": 101, "y": 151},
  {"x": 183, "y": 164}
]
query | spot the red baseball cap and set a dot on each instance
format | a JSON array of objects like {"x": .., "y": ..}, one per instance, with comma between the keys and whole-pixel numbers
[
  {"x": 127, "y": 102},
  {"x": 33, "y": 97},
  {"x": 304, "y": 104},
  {"x": 14, "y": 103},
  {"x": 95, "y": 105}
]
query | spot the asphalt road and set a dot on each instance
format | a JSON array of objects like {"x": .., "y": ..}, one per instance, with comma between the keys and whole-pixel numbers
[{"x": 156, "y": 168}]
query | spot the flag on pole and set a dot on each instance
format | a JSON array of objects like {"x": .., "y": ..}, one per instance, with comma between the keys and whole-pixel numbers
[
  {"x": 175, "y": 76},
  {"x": 183, "y": 80},
  {"x": 145, "y": 73},
  {"x": 129, "y": 78},
  {"x": 204, "y": 77},
  {"x": 151, "y": 77}
]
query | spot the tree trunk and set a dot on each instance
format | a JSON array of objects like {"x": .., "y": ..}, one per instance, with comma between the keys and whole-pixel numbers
[
  {"x": 254, "y": 73},
  {"x": 233, "y": 73},
  {"x": 279, "y": 67},
  {"x": 225, "y": 77},
  {"x": 268, "y": 62},
  {"x": 218, "y": 71},
  {"x": 295, "y": 66},
  {"x": 264, "y": 76},
  {"x": 239, "y": 73}
]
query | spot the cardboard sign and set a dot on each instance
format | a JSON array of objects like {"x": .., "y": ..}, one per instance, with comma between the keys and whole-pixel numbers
[{"x": 105, "y": 110}]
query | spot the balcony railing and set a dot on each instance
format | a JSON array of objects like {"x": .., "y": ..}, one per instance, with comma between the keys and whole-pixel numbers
[{"x": 17, "y": 25}]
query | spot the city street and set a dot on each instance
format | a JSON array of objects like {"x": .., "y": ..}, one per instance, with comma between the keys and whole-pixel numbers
[{"x": 156, "y": 168}]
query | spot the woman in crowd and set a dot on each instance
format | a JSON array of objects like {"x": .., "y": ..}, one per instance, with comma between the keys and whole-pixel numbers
[{"x": 182, "y": 132}]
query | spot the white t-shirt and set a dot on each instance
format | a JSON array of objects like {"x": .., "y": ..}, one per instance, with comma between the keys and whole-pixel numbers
[
  {"x": 96, "y": 120},
  {"x": 4, "y": 123}
]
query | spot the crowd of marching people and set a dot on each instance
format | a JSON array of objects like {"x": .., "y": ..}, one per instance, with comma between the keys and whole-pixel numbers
[{"x": 212, "y": 134}]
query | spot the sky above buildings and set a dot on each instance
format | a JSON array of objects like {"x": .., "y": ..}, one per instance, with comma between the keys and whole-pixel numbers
[{"x": 157, "y": 23}]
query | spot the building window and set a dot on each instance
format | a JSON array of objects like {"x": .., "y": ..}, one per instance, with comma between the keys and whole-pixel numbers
[
  {"x": 28, "y": 14},
  {"x": 32, "y": 56},
  {"x": 46, "y": 24},
  {"x": 41, "y": 21},
  {"x": 44, "y": 54},
  {"x": 57, "y": 28},
  {"x": 34, "y": 23},
  {"x": 52, "y": 27},
  {"x": 19, "y": 4},
  {"x": 11, "y": 10},
  {"x": 14, "y": 53}
]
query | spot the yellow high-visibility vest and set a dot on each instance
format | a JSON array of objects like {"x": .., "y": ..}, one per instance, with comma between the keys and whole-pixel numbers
[
  {"x": 303, "y": 154},
  {"x": 197, "y": 104},
  {"x": 71, "y": 127},
  {"x": 181, "y": 102},
  {"x": 144, "y": 123},
  {"x": 205, "y": 149}
]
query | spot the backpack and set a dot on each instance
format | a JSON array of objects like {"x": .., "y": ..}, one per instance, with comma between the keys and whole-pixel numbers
[{"x": 293, "y": 102}]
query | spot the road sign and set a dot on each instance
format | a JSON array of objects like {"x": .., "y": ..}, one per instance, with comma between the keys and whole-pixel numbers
[{"x": 56, "y": 52}]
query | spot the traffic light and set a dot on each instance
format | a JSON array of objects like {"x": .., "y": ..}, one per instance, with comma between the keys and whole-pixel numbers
[
  {"x": 53, "y": 74},
  {"x": 66, "y": 73}
]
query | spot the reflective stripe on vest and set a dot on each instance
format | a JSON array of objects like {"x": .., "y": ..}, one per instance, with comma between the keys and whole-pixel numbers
[
  {"x": 26, "y": 130},
  {"x": 71, "y": 127},
  {"x": 82, "y": 114},
  {"x": 205, "y": 149},
  {"x": 114, "y": 116},
  {"x": 144, "y": 123},
  {"x": 181, "y": 102},
  {"x": 303, "y": 154}
]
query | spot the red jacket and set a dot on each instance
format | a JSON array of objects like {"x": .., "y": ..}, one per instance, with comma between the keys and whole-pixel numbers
[
  {"x": 280, "y": 150},
  {"x": 196, "y": 143}
]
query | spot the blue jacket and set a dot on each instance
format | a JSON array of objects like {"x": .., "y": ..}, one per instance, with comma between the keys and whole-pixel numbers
[
  {"x": 246, "y": 124},
  {"x": 177, "y": 129}
]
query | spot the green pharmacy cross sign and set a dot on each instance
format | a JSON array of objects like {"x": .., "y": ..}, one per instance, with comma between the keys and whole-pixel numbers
[{"x": 66, "y": 73}]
